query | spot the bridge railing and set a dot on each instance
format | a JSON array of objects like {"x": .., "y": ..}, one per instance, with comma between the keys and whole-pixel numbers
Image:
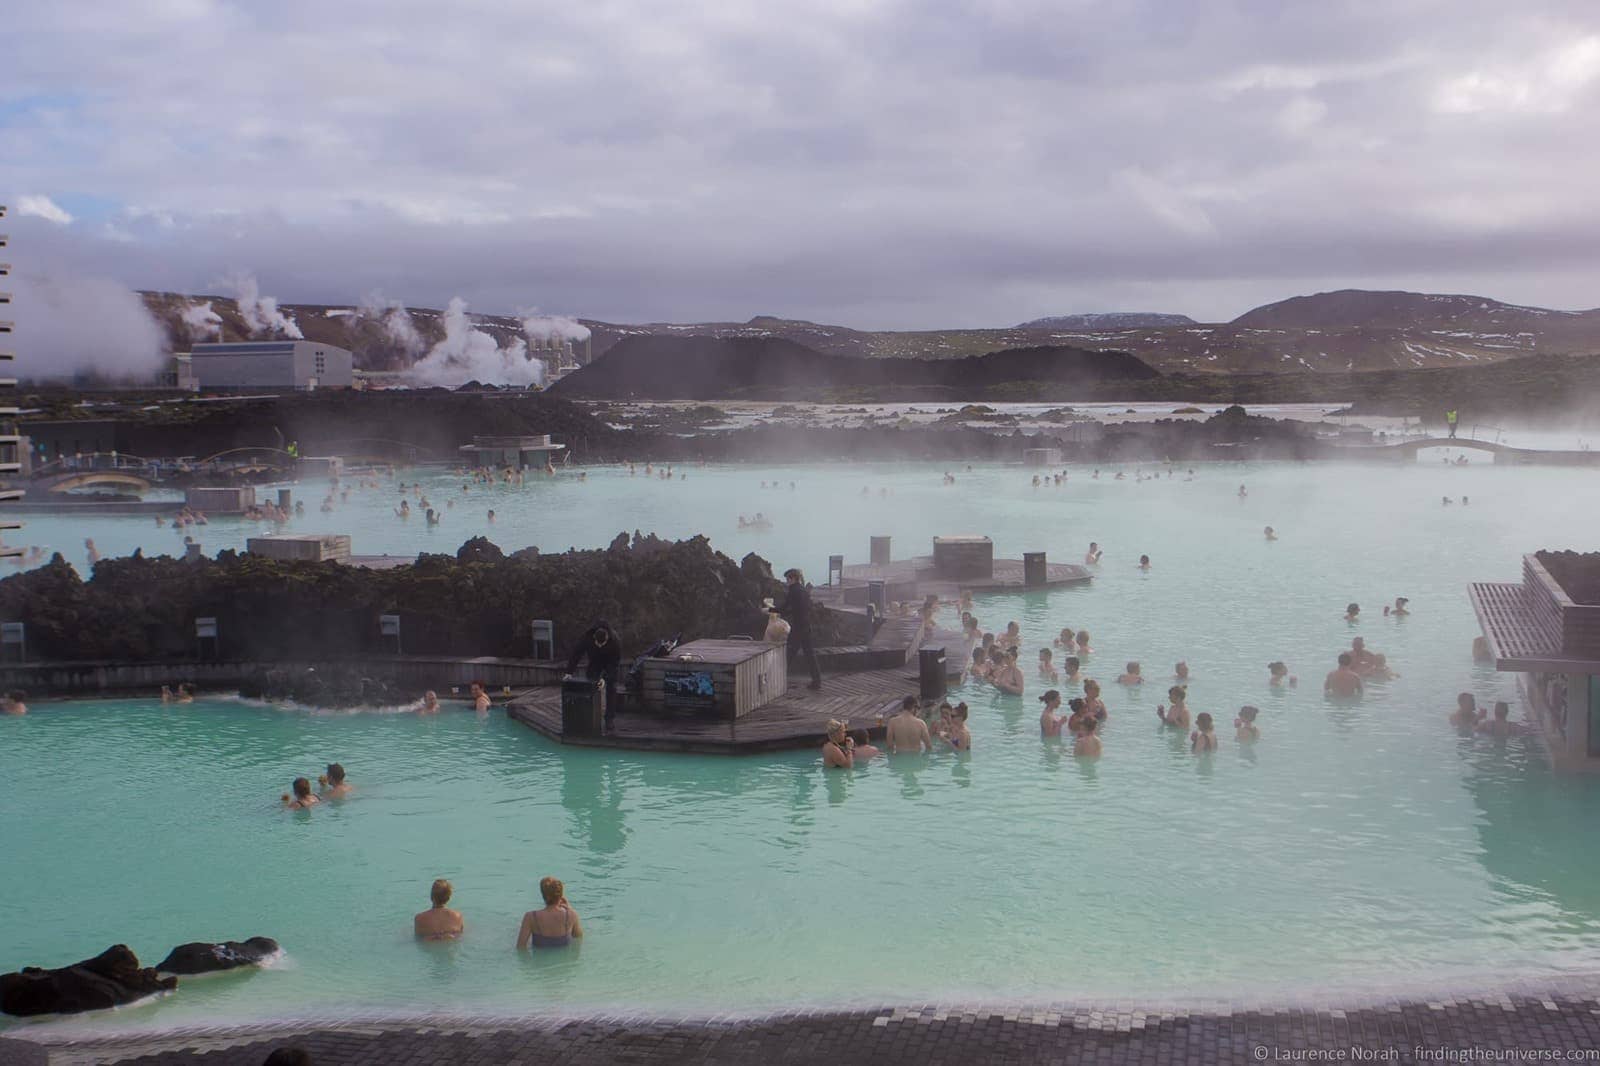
[{"x": 87, "y": 462}]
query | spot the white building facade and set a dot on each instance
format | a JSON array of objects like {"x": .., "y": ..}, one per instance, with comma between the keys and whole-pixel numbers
[{"x": 285, "y": 364}]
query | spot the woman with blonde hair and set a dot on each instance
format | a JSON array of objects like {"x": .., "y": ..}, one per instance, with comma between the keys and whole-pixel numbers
[
  {"x": 840, "y": 748},
  {"x": 555, "y": 925}
]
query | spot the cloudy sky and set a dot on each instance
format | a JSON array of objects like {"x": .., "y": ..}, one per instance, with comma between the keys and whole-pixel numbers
[{"x": 871, "y": 163}]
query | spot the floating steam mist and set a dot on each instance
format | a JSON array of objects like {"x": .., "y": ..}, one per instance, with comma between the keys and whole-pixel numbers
[{"x": 396, "y": 322}]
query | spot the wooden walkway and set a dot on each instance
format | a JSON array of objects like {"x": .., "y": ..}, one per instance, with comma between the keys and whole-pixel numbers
[
  {"x": 1006, "y": 576},
  {"x": 796, "y": 719}
]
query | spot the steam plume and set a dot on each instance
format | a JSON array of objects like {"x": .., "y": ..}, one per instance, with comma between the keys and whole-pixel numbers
[
  {"x": 260, "y": 313},
  {"x": 69, "y": 325},
  {"x": 469, "y": 354},
  {"x": 395, "y": 320},
  {"x": 200, "y": 322}
]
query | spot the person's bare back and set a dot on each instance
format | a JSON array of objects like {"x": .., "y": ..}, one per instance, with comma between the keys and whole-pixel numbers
[
  {"x": 906, "y": 732},
  {"x": 438, "y": 923}
]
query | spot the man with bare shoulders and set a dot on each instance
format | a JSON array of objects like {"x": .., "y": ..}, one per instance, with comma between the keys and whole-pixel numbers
[
  {"x": 1050, "y": 722},
  {"x": 439, "y": 922},
  {"x": 1343, "y": 681},
  {"x": 1008, "y": 678},
  {"x": 1361, "y": 659},
  {"x": 907, "y": 732}
]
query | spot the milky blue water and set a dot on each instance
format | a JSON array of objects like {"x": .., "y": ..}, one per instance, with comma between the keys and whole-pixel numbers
[{"x": 1359, "y": 847}]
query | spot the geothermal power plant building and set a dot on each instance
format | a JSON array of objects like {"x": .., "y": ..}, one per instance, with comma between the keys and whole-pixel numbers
[{"x": 271, "y": 365}]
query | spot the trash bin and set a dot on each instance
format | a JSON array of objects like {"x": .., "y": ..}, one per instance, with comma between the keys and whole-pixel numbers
[
  {"x": 583, "y": 707},
  {"x": 1035, "y": 572},
  {"x": 931, "y": 673}
]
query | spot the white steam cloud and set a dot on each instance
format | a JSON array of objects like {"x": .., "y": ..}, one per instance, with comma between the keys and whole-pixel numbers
[
  {"x": 396, "y": 322},
  {"x": 68, "y": 325},
  {"x": 537, "y": 327},
  {"x": 260, "y": 313},
  {"x": 469, "y": 354},
  {"x": 200, "y": 322}
]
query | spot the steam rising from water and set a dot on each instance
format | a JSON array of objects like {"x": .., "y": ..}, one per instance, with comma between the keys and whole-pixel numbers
[{"x": 260, "y": 313}]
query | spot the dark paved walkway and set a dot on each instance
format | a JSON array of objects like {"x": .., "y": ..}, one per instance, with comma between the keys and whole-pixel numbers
[{"x": 1557, "y": 1022}]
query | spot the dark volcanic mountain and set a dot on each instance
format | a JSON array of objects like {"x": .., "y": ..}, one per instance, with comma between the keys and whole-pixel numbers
[
  {"x": 712, "y": 368},
  {"x": 1110, "y": 320},
  {"x": 1333, "y": 332}
]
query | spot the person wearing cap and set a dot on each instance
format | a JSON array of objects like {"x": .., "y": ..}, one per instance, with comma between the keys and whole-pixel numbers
[
  {"x": 907, "y": 732},
  {"x": 796, "y": 610},
  {"x": 1050, "y": 722}
]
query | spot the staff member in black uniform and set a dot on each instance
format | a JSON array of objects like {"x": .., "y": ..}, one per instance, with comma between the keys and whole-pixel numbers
[
  {"x": 796, "y": 610},
  {"x": 599, "y": 644}
]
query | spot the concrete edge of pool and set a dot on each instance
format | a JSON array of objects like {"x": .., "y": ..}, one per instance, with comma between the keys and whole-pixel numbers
[{"x": 1558, "y": 1012}]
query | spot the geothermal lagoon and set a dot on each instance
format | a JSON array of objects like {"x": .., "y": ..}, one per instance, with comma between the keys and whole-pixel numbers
[{"x": 1361, "y": 848}]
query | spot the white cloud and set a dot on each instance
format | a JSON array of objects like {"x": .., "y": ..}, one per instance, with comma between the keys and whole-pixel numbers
[
  {"x": 43, "y": 207},
  {"x": 1551, "y": 82}
]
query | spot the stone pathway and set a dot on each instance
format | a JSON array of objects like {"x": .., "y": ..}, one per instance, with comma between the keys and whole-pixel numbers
[{"x": 1556, "y": 1022}]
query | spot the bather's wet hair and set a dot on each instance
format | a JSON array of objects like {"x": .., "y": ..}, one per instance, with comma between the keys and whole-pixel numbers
[
  {"x": 552, "y": 890},
  {"x": 1073, "y": 663},
  {"x": 1248, "y": 713},
  {"x": 1202, "y": 721},
  {"x": 301, "y": 787},
  {"x": 1345, "y": 659},
  {"x": 440, "y": 892},
  {"x": 1177, "y": 693},
  {"x": 910, "y": 703},
  {"x": 335, "y": 774}
]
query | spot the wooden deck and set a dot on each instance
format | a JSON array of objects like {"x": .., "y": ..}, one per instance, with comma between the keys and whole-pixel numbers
[
  {"x": 1006, "y": 577},
  {"x": 794, "y": 720}
]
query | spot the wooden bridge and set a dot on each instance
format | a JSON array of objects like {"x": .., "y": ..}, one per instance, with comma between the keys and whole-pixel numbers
[
  {"x": 93, "y": 479},
  {"x": 1406, "y": 451}
]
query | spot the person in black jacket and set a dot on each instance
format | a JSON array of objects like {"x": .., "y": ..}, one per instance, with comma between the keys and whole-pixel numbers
[
  {"x": 600, "y": 645},
  {"x": 796, "y": 610}
]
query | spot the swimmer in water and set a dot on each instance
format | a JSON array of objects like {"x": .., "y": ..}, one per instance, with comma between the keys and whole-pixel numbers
[
  {"x": 1399, "y": 609},
  {"x": 1012, "y": 636},
  {"x": 334, "y": 786},
  {"x": 15, "y": 704},
  {"x": 1080, "y": 714},
  {"x": 959, "y": 737},
  {"x": 1271, "y": 533},
  {"x": 1352, "y": 613},
  {"x": 429, "y": 704},
  {"x": 1144, "y": 562},
  {"x": 1008, "y": 678},
  {"x": 1092, "y": 556},
  {"x": 1071, "y": 664},
  {"x": 839, "y": 749},
  {"x": 1064, "y": 640},
  {"x": 302, "y": 798},
  {"x": 1501, "y": 724},
  {"x": 1086, "y": 744},
  {"x": 1180, "y": 672},
  {"x": 1047, "y": 671},
  {"x": 439, "y": 922},
  {"x": 1245, "y": 730},
  {"x": 1343, "y": 681},
  {"x": 94, "y": 553},
  {"x": 1480, "y": 649},
  {"x": 491, "y": 516},
  {"x": 1084, "y": 651},
  {"x": 1131, "y": 676},
  {"x": 1204, "y": 737},
  {"x": 1050, "y": 722},
  {"x": 1278, "y": 675},
  {"x": 1242, "y": 493},
  {"x": 480, "y": 698},
  {"x": 1177, "y": 716},
  {"x": 1380, "y": 668},
  {"x": 907, "y": 733},
  {"x": 1466, "y": 716},
  {"x": 979, "y": 669},
  {"x": 1092, "y": 701}
]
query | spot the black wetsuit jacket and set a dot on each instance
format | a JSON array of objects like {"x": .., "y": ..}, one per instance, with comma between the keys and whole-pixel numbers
[
  {"x": 602, "y": 658},
  {"x": 797, "y": 610}
]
